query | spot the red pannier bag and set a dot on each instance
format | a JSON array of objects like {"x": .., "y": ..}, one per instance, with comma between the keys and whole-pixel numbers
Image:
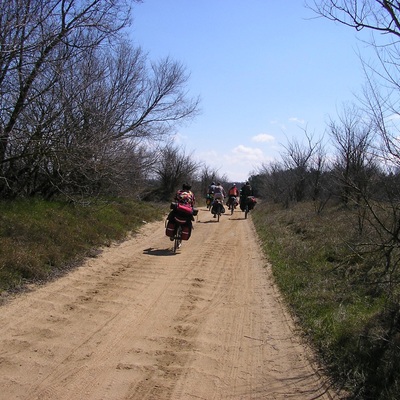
[
  {"x": 181, "y": 214},
  {"x": 186, "y": 229},
  {"x": 186, "y": 232},
  {"x": 170, "y": 229}
]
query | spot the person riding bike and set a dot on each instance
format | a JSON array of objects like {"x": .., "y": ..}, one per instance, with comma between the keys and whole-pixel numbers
[
  {"x": 219, "y": 192},
  {"x": 233, "y": 193},
  {"x": 211, "y": 188},
  {"x": 183, "y": 208},
  {"x": 245, "y": 191},
  {"x": 210, "y": 194},
  {"x": 185, "y": 195},
  {"x": 219, "y": 196}
]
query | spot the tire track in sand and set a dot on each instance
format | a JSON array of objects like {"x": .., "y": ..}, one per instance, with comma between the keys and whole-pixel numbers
[{"x": 139, "y": 322}]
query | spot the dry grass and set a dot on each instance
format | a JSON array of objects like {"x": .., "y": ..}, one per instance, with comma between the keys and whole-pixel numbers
[{"x": 349, "y": 316}]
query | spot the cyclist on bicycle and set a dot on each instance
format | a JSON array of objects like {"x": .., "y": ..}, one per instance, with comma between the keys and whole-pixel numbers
[
  {"x": 233, "y": 193},
  {"x": 185, "y": 195},
  {"x": 245, "y": 191}
]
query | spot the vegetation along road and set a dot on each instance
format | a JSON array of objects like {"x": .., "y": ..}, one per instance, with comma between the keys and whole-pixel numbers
[{"x": 139, "y": 322}]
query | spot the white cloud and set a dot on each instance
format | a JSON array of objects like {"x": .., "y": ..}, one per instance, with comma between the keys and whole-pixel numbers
[
  {"x": 263, "y": 137},
  {"x": 237, "y": 163},
  {"x": 243, "y": 153},
  {"x": 297, "y": 120},
  {"x": 279, "y": 124},
  {"x": 241, "y": 161}
]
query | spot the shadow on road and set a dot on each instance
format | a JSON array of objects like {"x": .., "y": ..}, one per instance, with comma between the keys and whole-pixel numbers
[{"x": 158, "y": 252}]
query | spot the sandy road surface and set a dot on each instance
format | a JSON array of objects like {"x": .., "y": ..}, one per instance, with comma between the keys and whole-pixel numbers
[{"x": 139, "y": 322}]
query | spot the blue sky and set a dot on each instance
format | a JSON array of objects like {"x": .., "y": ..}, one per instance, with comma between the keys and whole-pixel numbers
[{"x": 265, "y": 71}]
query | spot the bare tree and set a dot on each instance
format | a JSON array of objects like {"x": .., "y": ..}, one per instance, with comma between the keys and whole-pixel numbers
[
  {"x": 378, "y": 15},
  {"x": 162, "y": 103},
  {"x": 273, "y": 185},
  {"x": 352, "y": 137},
  {"x": 118, "y": 100},
  {"x": 125, "y": 169},
  {"x": 208, "y": 175},
  {"x": 173, "y": 168},
  {"x": 62, "y": 119},
  {"x": 298, "y": 160},
  {"x": 37, "y": 33}
]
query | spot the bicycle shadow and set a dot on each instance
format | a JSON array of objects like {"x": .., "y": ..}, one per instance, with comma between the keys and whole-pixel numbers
[{"x": 157, "y": 252}]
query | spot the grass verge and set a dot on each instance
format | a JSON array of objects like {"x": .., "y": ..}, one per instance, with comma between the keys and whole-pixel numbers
[
  {"x": 348, "y": 316},
  {"x": 39, "y": 239}
]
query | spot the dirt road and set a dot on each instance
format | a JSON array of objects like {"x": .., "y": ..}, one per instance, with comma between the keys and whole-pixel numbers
[{"x": 139, "y": 322}]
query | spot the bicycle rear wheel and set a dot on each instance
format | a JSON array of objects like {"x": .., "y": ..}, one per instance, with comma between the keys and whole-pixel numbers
[{"x": 178, "y": 238}]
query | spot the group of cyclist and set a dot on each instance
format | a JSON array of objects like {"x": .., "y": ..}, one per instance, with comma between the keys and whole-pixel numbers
[
  {"x": 183, "y": 207},
  {"x": 216, "y": 192}
]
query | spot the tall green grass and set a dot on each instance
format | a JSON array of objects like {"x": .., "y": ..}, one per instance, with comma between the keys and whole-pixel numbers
[
  {"x": 39, "y": 238},
  {"x": 346, "y": 316}
]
